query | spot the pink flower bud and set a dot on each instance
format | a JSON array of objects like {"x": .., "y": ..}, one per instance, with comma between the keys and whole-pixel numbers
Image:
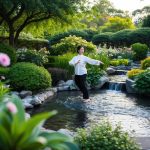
[
  {"x": 11, "y": 107},
  {"x": 4, "y": 60}
]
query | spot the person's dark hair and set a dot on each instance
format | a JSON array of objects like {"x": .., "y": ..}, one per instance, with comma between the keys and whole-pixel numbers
[{"x": 79, "y": 47}]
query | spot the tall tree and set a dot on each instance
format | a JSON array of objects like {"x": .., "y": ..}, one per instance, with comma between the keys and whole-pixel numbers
[
  {"x": 17, "y": 14},
  {"x": 140, "y": 15},
  {"x": 115, "y": 24},
  {"x": 100, "y": 12}
]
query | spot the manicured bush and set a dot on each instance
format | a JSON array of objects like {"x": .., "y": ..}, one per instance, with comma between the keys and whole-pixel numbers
[
  {"x": 145, "y": 63},
  {"x": 142, "y": 82},
  {"x": 102, "y": 38},
  {"x": 121, "y": 38},
  {"x": 69, "y": 44},
  {"x": 57, "y": 38},
  {"x": 39, "y": 57},
  {"x": 133, "y": 73},
  {"x": 28, "y": 76},
  {"x": 105, "y": 137},
  {"x": 140, "y": 51},
  {"x": 10, "y": 51},
  {"x": 140, "y": 35},
  {"x": 117, "y": 62},
  {"x": 58, "y": 74},
  {"x": 91, "y": 34}
]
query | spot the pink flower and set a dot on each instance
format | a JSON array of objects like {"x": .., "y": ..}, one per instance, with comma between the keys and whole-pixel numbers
[
  {"x": 4, "y": 60},
  {"x": 11, "y": 107}
]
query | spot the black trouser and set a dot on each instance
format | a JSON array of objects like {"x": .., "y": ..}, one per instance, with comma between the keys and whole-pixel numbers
[{"x": 80, "y": 81}]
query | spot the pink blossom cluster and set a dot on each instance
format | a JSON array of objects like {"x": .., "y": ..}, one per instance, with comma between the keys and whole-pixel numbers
[{"x": 4, "y": 60}]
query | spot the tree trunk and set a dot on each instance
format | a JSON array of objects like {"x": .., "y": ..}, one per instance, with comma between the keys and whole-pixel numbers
[{"x": 11, "y": 36}]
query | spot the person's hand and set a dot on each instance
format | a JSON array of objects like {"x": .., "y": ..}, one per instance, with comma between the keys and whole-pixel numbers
[
  {"x": 101, "y": 64},
  {"x": 78, "y": 62}
]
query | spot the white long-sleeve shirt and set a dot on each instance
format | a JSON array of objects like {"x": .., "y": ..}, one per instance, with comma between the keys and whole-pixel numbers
[{"x": 80, "y": 68}]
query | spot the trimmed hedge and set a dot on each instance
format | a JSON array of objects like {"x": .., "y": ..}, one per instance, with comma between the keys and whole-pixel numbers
[
  {"x": 123, "y": 38},
  {"x": 103, "y": 38},
  {"x": 139, "y": 51},
  {"x": 28, "y": 76}
]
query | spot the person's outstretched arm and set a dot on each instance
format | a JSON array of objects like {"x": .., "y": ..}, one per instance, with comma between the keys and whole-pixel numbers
[
  {"x": 92, "y": 61},
  {"x": 73, "y": 61}
]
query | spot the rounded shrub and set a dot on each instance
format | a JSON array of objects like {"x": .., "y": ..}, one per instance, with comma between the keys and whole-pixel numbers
[
  {"x": 28, "y": 76},
  {"x": 10, "y": 51},
  {"x": 102, "y": 38},
  {"x": 69, "y": 44},
  {"x": 121, "y": 38},
  {"x": 145, "y": 63},
  {"x": 140, "y": 51},
  {"x": 133, "y": 73},
  {"x": 140, "y": 35},
  {"x": 104, "y": 137},
  {"x": 142, "y": 82}
]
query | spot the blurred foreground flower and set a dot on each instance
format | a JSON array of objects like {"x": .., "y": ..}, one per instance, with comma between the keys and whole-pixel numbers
[{"x": 4, "y": 60}]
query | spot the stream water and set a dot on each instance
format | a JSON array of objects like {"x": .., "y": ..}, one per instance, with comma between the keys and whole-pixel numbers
[{"x": 133, "y": 112}]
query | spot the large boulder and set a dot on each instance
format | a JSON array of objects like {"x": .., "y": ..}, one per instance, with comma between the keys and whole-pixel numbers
[
  {"x": 24, "y": 94},
  {"x": 110, "y": 70},
  {"x": 102, "y": 81},
  {"x": 129, "y": 86}
]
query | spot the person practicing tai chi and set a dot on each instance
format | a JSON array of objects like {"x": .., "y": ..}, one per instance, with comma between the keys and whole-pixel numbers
[{"x": 79, "y": 62}]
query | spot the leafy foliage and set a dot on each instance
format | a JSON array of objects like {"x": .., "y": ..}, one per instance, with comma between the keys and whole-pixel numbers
[
  {"x": 38, "y": 57},
  {"x": 102, "y": 38},
  {"x": 17, "y": 132},
  {"x": 133, "y": 73},
  {"x": 57, "y": 38},
  {"x": 145, "y": 63},
  {"x": 4, "y": 71},
  {"x": 3, "y": 91},
  {"x": 61, "y": 61},
  {"x": 94, "y": 75},
  {"x": 146, "y": 21},
  {"x": 69, "y": 44},
  {"x": 142, "y": 82},
  {"x": 28, "y": 76},
  {"x": 105, "y": 137},
  {"x": 117, "y": 62},
  {"x": 115, "y": 24},
  {"x": 140, "y": 51},
  {"x": 103, "y": 57},
  {"x": 17, "y": 14}
]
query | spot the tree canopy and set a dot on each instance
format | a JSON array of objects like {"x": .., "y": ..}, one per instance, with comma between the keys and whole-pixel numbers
[{"x": 17, "y": 14}]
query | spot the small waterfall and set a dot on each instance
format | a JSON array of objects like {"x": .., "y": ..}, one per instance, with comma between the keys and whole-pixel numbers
[{"x": 116, "y": 86}]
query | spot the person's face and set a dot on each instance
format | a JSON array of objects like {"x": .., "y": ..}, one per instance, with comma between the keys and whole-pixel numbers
[{"x": 81, "y": 51}]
